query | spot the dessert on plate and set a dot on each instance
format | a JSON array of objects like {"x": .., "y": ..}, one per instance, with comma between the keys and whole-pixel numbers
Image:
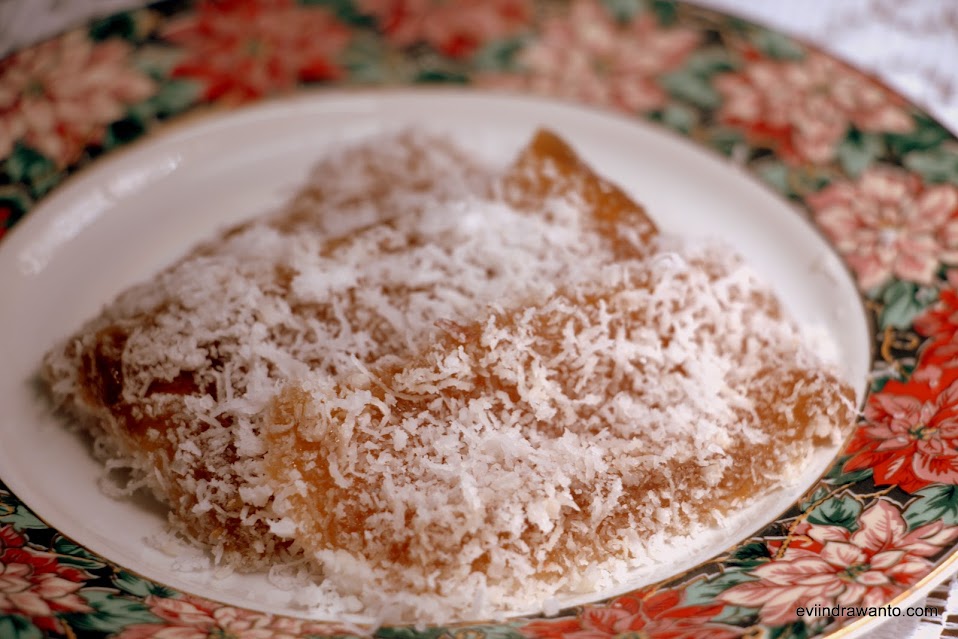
[{"x": 446, "y": 388}]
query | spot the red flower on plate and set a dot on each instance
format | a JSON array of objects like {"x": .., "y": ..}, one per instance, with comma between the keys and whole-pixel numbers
[
  {"x": 244, "y": 49},
  {"x": 456, "y": 28},
  {"x": 191, "y": 617},
  {"x": 910, "y": 437},
  {"x": 840, "y": 567},
  {"x": 5, "y": 214},
  {"x": 804, "y": 108},
  {"x": 586, "y": 54},
  {"x": 34, "y": 584},
  {"x": 889, "y": 223},
  {"x": 58, "y": 96},
  {"x": 940, "y": 324},
  {"x": 647, "y": 614}
]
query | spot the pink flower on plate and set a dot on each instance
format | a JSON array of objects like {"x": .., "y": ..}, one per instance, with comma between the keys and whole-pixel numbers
[
  {"x": 804, "y": 108},
  {"x": 840, "y": 567},
  {"x": 889, "y": 223},
  {"x": 244, "y": 49},
  {"x": 587, "y": 55},
  {"x": 34, "y": 584},
  {"x": 191, "y": 617},
  {"x": 456, "y": 28},
  {"x": 58, "y": 96}
]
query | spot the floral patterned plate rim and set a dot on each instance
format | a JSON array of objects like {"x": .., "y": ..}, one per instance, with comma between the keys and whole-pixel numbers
[{"x": 876, "y": 175}]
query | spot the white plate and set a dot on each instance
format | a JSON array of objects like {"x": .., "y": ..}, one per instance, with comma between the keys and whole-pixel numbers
[{"x": 137, "y": 210}]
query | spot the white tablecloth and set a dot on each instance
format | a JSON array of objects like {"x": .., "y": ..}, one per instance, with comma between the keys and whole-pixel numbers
[{"x": 912, "y": 44}]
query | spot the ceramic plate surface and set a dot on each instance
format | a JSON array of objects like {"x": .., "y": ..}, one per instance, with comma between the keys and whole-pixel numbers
[{"x": 839, "y": 192}]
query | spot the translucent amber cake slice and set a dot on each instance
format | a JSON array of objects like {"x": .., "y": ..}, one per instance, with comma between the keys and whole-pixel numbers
[{"x": 429, "y": 381}]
